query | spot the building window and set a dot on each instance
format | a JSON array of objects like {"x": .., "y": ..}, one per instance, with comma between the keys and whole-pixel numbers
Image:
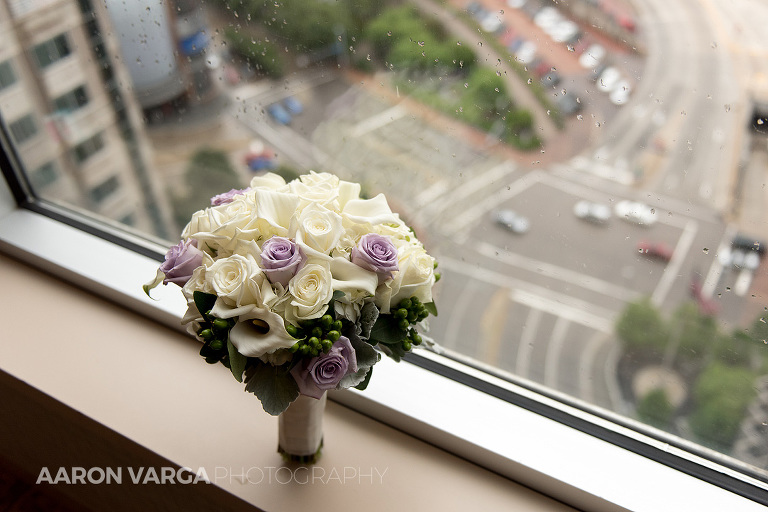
[
  {"x": 23, "y": 129},
  {"x": 71, "y": 100},
  {"x": 43, "y": 176},
  {"x": 88, "y": 148},
  {"x": 51, "y": 51},
  {"x": 7, "y": 76},
  {"x": 100, "y": 192}
]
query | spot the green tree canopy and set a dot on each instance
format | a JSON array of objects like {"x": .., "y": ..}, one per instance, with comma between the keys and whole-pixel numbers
[{"x": 641, "y": 327}]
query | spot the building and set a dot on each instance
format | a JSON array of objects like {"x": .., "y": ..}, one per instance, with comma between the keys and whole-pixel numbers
[{"x": 69, "y": 109}]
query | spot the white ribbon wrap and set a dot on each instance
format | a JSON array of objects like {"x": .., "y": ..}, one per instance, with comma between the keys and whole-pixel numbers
[{"x": 300, "y": 426}]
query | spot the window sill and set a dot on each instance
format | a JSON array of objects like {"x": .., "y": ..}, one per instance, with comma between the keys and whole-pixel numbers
[{"x": 185, "y": 401}]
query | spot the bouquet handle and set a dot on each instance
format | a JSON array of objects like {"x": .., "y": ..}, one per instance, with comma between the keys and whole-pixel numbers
[{"x": 300, "y": 429}]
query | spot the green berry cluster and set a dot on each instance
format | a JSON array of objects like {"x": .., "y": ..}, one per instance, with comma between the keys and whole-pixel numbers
[
  {"x": 316, "y": 336},
  {"x": 215, "y": 332},
  {"x": 408, "y": 313}
]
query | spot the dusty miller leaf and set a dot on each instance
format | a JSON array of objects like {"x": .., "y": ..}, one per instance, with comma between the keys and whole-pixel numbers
[{"x": 273, "y": 385}]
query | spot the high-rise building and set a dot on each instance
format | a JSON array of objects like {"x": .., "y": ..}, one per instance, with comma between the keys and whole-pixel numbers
[{"x": 69, "y": 107}]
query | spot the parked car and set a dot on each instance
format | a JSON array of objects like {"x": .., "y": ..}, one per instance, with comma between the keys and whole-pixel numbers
[
  {"x": 277, "y": 112},
  {"x": 592, "y": 56},
  {"x": 293, "y": 105},
  {"x": 526, "y": 53},
  {"x": 593, "y": 212},
  {"x": 635, "y": 212},
  {"x": 568, "y": 104},
  {"x": 620, "y": 93},
  {"x": 512, "y": 221},
  {"x": 655, "y": 250},
  {"x": 608, "y": 79},
  {"x": 259, "y": 157}
]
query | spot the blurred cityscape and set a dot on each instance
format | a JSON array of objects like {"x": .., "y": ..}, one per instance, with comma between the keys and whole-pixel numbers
[{"x": 590, "y": 175}]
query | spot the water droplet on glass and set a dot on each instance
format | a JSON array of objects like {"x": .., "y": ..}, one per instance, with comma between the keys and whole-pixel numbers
[
  {"x": 706, "y": 250},
  {"x": 580, "y": 117},
  {"x": 727, "y": 107},
  {"x": 530, "y": 81}
]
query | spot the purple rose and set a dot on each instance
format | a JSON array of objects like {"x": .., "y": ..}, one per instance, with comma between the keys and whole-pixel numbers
[
  {"x": 281, "y": 258},
  {"x": 180, "y": 261},
  {"x": 226, "y": 197},
  {"x": 376, "y": 253},
  {"x": 319, "y": 374}
]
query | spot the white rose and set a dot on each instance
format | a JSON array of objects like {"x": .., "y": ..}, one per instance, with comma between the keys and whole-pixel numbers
[
  {"x": 311, "y": 289},
  {"x": 414, "y": 279},
  {"x": 197, "y": 282},
  {"x": 236, "y": 279},
  {"x": 319, "y": 228},
  {"x": 269, "y": 180},
  {"x": 321, "y": 188},
  {"x": 218, "y": 229},
  {"x": 199, "y": 223}
]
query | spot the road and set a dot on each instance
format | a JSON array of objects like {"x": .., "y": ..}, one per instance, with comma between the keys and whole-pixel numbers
[{"x": 542, "y": 305}]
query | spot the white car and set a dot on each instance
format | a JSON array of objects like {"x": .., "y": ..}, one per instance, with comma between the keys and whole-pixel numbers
[
  {"x": 609, "y": 79},
  {"x": 526, "y": 53},
  {"x": 620, "y": 93},
  {"x": 547, "y": 18},
  {"x": 563, "y": 31},
  {"x": 512, "y": 221},
  {"x": 636, "y": 212},
  {"x": 593, "y": 212},
  {"x": 592, "y": 56}
]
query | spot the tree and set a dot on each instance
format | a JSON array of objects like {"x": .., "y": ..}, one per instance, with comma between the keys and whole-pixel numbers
[
  {"x": 208, "y": 173},
  {"x": 655, "y": 409},
  {"x": 259, "y": 54},
  {"x": 641, "y": 327},
  {"x": 697, "y": 334},
  {"x": 722, "y": 394}
]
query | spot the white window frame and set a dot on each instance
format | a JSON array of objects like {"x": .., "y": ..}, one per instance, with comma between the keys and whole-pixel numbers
[{"x": 520, "y": 443}]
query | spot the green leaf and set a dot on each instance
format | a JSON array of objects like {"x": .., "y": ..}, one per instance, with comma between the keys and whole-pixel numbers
[
  {"x": 273, "y": 385},
  {"x": 237, "y": 361},
  {"x": 431, "y": 307},
  {"x": 365, "y": 355},
  {"x": 366, "y": 380},
  {"x": 368, "y": 316},
  {"x": 386, "y": 330},
  {"x": 204, "y": 301},
  {"x": 394, "y": 351}
]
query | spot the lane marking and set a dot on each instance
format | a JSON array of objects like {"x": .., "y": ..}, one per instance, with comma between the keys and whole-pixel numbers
[
  {"x": 575, "y": 310},
  {"x": 524, "y": 350},
  {"x": 555, "y": 272},
  {"x": 553, "y": 352},
  {"x": 672, "y": 271},
  {"x": 379, "y": 120}
]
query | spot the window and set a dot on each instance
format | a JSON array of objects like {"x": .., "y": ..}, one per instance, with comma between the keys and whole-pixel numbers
[
  {"x": 99, "y": 193},
  {"x": 581, "y": 182},
  {"x": 88, "y": 148},
  {"x": 43, "y": 176},
  {"x": 23, "y": 129},
  {"x": 71, "y": 100},
  {"x": 7, "y": 76},
  {"x": 51, "y": 51}
]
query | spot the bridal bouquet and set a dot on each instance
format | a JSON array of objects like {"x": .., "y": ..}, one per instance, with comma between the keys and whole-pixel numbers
[{"x": 298, "y": 287}]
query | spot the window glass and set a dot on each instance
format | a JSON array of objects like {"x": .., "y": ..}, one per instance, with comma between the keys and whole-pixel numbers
[
  {"x": 23, "y": 129},
  {"x": 51, "y": 51},
  {"x": 7, "y": 77},
  {"x": 71, "y": 100},
  {"x": 589, "y": 174}
]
